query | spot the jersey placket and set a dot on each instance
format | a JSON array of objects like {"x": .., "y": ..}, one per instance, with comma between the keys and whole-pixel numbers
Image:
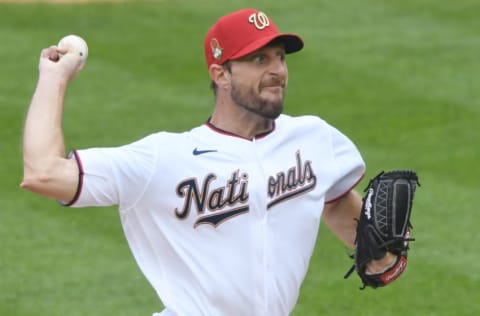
[{"x": 262, "y": 247}]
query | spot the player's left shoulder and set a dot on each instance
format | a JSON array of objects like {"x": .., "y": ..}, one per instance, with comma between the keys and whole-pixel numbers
[{"x": 301, "y": 123}]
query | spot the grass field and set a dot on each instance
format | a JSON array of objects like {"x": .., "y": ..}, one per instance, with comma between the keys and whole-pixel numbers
[{"x": 401, "y": 78}]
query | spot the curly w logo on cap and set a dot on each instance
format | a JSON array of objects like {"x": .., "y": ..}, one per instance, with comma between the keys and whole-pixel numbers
[{"x": 259, "y": 19}]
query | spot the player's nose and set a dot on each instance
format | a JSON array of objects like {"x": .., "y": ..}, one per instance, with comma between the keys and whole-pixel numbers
[{"x": 279, "y": 68}]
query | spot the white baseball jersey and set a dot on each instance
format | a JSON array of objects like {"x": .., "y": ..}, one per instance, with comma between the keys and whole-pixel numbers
[{"x": 218, "y": 224}]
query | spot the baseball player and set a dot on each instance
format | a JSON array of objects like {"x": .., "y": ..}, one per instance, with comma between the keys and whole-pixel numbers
[{"x": 221, "y": 219}]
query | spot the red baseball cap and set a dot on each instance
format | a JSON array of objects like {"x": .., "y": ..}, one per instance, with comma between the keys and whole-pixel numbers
[{"x": 243, "y": 32}]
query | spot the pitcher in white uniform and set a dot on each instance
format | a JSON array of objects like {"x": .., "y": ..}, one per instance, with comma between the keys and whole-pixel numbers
[{"x": 221, "y": 219}]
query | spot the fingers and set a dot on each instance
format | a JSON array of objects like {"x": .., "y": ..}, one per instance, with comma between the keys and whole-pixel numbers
[
  {"x": 381, "y": 265},
  {"x": 53, "y": 53},
  {"x": 60, "y": 62},
  {"x": 50, "y": 53}
]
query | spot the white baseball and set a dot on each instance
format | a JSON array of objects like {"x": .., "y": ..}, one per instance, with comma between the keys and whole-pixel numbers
[{"x": 75, "y": 44}]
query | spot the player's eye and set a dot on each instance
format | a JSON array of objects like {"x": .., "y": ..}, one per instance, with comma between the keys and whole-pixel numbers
[{"x": 258, "y": 58}]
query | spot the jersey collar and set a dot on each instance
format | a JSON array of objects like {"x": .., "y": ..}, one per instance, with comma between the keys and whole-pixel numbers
[{"x": 209, "y": 124}]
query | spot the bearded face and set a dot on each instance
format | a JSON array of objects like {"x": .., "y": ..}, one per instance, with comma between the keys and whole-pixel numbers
[
  {"x": 259, "y": 80},
  {"x": 265, "y": 100}
]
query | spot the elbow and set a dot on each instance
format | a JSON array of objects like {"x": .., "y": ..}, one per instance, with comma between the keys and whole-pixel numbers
[
  {"x": 54, "y": 178},
  {"x": 35, "y": 177},
  {"x": 33, "y": 180}
]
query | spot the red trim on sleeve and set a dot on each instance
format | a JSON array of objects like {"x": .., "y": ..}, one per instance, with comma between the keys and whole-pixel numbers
[
  {"x": 346, "y": 192},
  {"x": 75, "y": 155}
]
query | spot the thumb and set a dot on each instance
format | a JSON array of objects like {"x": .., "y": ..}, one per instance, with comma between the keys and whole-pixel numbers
[{"x": 71, "y": 60}]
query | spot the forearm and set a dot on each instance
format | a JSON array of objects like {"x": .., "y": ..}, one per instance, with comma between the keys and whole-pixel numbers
[
  {"x": 341, "y": 217},
  {"x": 43, "y": 137},
  {"x": 43, "y": 143}
]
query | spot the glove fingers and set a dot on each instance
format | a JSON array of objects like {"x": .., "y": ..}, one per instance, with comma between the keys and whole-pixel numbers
[{"x": 402, "y": 201}]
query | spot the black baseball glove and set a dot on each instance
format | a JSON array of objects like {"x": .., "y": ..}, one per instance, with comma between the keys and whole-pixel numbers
[{"x": 384, "y": 225}]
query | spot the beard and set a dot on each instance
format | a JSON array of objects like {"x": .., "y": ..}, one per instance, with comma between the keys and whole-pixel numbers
[{"x": 252, "y": 101}]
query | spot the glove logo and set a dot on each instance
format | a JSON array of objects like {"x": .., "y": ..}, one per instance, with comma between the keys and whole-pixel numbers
[
  {"x": 393, "y": 273},
  {"x": 368, "y": 204}
]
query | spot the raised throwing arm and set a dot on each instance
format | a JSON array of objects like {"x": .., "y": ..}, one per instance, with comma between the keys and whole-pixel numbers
[{"x": 46, "y": 169}]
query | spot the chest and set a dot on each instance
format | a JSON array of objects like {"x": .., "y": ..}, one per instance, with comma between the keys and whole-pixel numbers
[{"x": 218, "y": 185}]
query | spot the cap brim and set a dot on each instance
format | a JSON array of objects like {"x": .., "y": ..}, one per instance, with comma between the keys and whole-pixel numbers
[{"x": 293, "y": 43}]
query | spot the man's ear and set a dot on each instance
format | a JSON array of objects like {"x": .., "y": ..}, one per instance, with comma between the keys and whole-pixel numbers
[{"x": 220, "y": 75}]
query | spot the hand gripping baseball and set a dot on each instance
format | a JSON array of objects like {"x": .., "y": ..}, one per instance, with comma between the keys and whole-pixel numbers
[
  {"x": 384, "y": 225},
  {"x": 67, "y": 58}
]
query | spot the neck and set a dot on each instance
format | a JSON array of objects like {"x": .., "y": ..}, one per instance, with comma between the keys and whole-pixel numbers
[{"x": 246, "y": 125}]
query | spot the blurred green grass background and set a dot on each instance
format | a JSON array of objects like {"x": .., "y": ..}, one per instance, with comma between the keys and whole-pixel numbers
[{"x": 401, "y": 78}]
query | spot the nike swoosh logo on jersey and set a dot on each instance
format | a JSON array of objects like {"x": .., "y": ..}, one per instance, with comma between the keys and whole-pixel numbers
[{"x": 197, "y": 152}]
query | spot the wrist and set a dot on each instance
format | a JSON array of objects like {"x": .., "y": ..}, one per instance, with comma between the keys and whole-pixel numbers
[{"x": 53, "y": 77}]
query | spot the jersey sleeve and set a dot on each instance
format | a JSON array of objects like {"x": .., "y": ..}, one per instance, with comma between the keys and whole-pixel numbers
[
  {"x": 350, "y": 167},
  {"x": 115, "y": 176}
]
